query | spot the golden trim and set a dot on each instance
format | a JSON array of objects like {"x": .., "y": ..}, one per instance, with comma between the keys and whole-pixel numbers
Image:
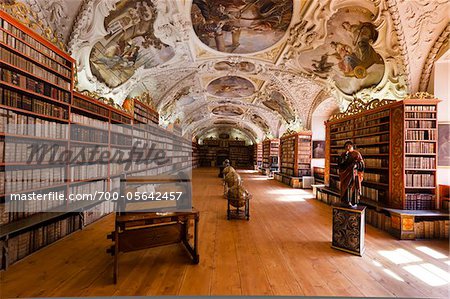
[
  {"x": 349, "y": 209},
  {"x": 146, "y": 99},
  {"x": 420, "y": 96},
  {"x": 358, "y": 106}
]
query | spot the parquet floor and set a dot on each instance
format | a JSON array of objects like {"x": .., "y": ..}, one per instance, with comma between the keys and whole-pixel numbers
[{"x": 283, "y": 250}]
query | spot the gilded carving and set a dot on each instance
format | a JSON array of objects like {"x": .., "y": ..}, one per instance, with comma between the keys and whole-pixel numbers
[
  {"x": 397, "y": 141},
  {"x": 358, "y": 106}
]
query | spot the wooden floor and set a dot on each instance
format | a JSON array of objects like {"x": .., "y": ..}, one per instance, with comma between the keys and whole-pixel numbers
[{"x": 283, "y": 250}]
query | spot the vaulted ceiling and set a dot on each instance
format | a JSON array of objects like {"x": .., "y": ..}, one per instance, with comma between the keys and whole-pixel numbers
[{"x": 259, "y": 66}]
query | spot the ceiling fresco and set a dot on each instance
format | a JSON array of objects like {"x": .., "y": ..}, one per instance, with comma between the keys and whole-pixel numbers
[
  {"x": 241, "y": 26},
  {"x": 244, "y": 66},
  {"x": 228, "y": 111},
  {"x": 231, "y": 87},
  {"x": 130, "y": 43},
  {"x": 260, "y": 66},
  {"x": 347, "y": 55}
]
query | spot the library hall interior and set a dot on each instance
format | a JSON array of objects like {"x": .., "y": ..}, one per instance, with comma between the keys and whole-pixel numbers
[{"x": 224, "y": 148}]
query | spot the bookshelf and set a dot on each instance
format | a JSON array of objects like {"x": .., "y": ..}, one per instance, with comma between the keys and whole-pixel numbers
[
  {"x": 257, "y": 156},
  {"x": 36, "y": 88},
  {"x": 270, "y": 155},
  {"x": 398, "y": 140},
  {"x": 398, "y": 143},
  {"x": 143, "y": 113},
  {"x": 295, "y": 154},
  {"x": 212, "y": 151},
  {"x": 319, "y": 174},
  {"x": 195, "y": 155}
]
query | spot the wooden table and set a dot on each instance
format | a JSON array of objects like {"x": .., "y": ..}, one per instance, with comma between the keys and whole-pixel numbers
[{"x": 136, "y": 231}]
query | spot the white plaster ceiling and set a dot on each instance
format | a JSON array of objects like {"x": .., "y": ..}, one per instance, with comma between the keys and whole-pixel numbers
[{"x": 283, "y": 62}]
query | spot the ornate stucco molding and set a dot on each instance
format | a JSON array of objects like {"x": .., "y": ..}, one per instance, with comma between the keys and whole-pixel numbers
[{"x": 431, "y": 58}]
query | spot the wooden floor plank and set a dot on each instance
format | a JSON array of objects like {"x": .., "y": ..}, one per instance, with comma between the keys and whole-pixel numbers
[{"x": 283, "y": 250}]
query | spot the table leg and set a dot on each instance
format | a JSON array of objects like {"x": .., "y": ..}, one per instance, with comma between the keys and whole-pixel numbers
[
  {"x": 116, "y": 255},
  {"x": 197, "y": 257}
]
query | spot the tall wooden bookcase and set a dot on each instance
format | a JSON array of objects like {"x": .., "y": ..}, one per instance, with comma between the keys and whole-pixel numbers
[
  {"x": 257, "y": 155},
  {"x": 295, "y": 154},
  {"x": 270, "y": 151},
  {"x": 36, "y": 88},
  {"x": 398, "y": 141}
]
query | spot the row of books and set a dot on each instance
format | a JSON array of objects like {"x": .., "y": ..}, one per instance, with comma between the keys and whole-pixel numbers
[
  {"x": 237, "y": 143},
  {"x": 378, "y": 195},
  {"x": 371, "y": 130},
  {"x": 420, "y": 201},
  {"x": 378, "y": 220},
  {"x": 120, "y": 139},
  {"x": 420, "y": 162},
  {"x": 117, "y": 168},
  {"x": 374, "y": 162},
  {"x": 319, "y": 174},
  {"x": 420, "y": 114},
  {"x": 86, "y": 134},
  {"x": 20, "y": 124},
  {"x": 374, "y": 122},
  {"x": 381, "y": 149},
  {"x": 32, "y": 68},
  {"x": 87, "y": 105},
  {"x": 18, "y": 180},
  {"x": 376, "y": 177},
  {"x": 304, "y": 160},
  {"x": 84, "y": 120},
  {"x": 21, "y": 151},
  {"x": 35, "y": 86},
  {"x": 89, "y": 171},
  {"x": 88, "y": 153},
  {"x": 428, "y": 124},
  {"x": 437, "y": 229},
  {"x": 21, "y": 101},
  {"x": 420, "y": 108},
  {"x": 89, "y": 188},
  {"x": 33, "y": 54},
  {"x": 211, "y": 142},
  {"x": 371, "y": 139},
  {"x": 93, "y": 214},
  {"x": 145, "y": 116},
  {"x": 342, "y": 135},
  {"x": 123, "y": 129},
  {"x": 335, "y": 183},
  {"x": 420, "y": 180},
  {"x": 372, "y": 116},
  {"x": 120, "y": 118},
  {"x": 421, "y": 135},
  {"x": 16, "y": 210},
  {"x": 30, "y": 241},
  {"x": 342, "y": 127},
  {"x": 34, "y": 43},
  {"x": 420, "y": 147}
]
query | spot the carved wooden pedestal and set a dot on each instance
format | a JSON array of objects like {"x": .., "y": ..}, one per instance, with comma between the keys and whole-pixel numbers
[{"x": 348, "y": 229}]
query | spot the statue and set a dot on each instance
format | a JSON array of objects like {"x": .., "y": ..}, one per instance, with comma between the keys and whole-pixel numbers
[{"x": 351, "y": 171}]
